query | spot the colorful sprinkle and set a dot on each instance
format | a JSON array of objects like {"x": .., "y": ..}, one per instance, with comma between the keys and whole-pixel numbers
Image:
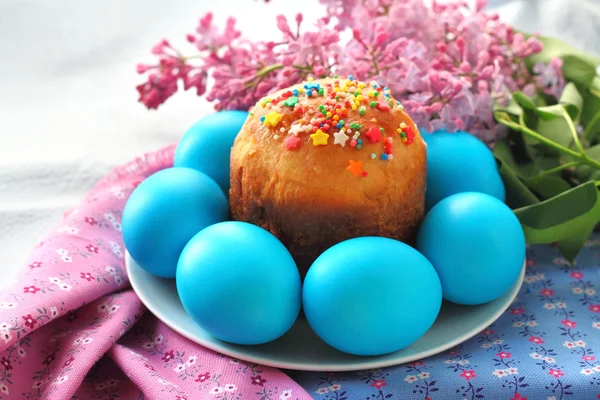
[
  {"x": 291, "y": 101},
  {"x": 410, "y": 135},
  {"x": 295, "y": 129},
  {"x": 388, "y": 148},
  {"x": 340, "y": 138},
  {"x": 355, "y": 167},
  {"x": 383, "y": 106},
  {"x": 292, "y": 142},
  {"x": 312, "y": 86},
  {"x": 373, "y": 134},
  {"x": 325, "y": 109},
  {"x": 272, "y": 119},
  {"x": 319, "y": 138}
]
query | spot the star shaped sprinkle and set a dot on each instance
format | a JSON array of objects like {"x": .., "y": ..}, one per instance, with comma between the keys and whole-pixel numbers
[
  {"x": 291, "y": 101},
  {"x": 319, "y": 138},
  {"x": 313, "y": 85},
  {"x": 355, "y": 167},
  {"x": 382, "y": 106},
  {"x": 340, "y": 138},
  {"x": 373, "y": 134},
  {"x": 272, "y": 119},
  {"x": 292, "y": 142},
  {"x": 295, "y": 129}
]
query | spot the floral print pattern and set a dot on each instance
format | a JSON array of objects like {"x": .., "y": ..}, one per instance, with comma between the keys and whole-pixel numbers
[
  {"x": 542, "y": 348},
  {"x": 93, "y": 337}
]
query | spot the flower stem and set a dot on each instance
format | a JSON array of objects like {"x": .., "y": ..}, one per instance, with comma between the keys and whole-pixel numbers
[
  {"x": 268, "y": 69},
  {"x": 573, "y": 132},
  {"x": 584, "y": 156},
  {"x": 523, "y": 129},
  {"x": 185, "y": 58},
  {"x": 558, "y": 169},
  {"x": 579, "y": 156}
]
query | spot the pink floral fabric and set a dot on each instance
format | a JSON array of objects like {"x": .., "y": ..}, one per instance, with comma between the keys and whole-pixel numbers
[{"x": 72, "y": 326}]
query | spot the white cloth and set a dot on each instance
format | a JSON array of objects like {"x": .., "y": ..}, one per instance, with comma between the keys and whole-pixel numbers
[{"x": 68, "y": 106}]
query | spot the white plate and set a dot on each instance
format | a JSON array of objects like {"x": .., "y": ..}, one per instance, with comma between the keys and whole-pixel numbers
[{"x": 300, "y": 348}]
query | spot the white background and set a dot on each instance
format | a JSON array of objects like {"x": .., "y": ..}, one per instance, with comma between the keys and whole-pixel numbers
[{"x": 68, "y": 105}]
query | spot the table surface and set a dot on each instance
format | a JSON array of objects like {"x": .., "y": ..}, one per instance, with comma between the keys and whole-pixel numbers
[{"x": 69, "y": 111}]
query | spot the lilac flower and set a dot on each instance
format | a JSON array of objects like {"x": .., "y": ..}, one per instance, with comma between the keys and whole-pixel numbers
[
  {"x": 446, "y": 64},
  {"x": 549, "y": 78}
]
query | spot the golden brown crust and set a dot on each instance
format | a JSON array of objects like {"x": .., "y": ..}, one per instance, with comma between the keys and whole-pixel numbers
[{"x": 308, "y": 198}]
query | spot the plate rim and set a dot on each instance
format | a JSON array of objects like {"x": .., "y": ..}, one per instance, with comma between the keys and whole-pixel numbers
[{"x": 369, "y": 363}]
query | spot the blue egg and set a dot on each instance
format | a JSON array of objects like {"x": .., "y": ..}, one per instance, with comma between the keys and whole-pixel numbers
[
  {"x": 370, "y": 296},
  {"x": 476, "y": 244},
  {"x": 165, "y": 211},
  {"x": 239, "y": 283},
  {"x": 206, "y": 146},
  {"x": 459, "y": 162}
]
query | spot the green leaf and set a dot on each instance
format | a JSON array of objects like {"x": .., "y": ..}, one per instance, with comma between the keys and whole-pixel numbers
[
  {"x": 557, "y": 130},
  {"x": 592, "y": 129},
  {"x": 578, "y": 70},
  {"x": 523, "y": 100},
  {"x": 563, "y": 219},
  {"x": 550, "y": 112},
  {"x": 571, "y": 246},
  {"x": 591, "y": 106},
  {"x": 557, "y": 48},
  {"x": 548, "y": 186},
  {"x": 512, "y": 108},
  {"x": 540, "y": 100},
  {"x": 504, "y": 152},
  {"x": 584, "y": 172},
  {"x": 595, "y": 86},
  {"x": 572, "y": 100},
  {"x": 517, "y": 193}
]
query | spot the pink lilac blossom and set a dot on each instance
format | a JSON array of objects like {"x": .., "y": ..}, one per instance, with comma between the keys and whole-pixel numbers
[{"x": 446, "y": 63}]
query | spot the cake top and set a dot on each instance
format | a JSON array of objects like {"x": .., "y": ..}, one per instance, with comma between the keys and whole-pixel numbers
[{"x": 336, "y": 112}]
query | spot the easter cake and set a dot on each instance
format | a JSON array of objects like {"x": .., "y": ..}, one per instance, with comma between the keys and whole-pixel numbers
[{"x": 329, "y": 160}]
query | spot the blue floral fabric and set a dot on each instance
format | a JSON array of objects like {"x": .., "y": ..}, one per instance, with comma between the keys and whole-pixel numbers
[{"x": 542, "y": 348}]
